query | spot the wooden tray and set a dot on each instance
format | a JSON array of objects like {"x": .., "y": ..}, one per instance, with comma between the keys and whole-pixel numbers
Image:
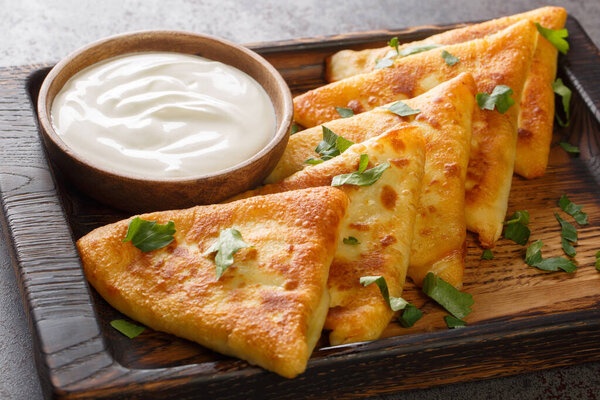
[{"x": 523, "y": 319}]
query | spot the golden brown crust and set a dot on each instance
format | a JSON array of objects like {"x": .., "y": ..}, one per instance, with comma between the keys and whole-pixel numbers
[
  {"x": 381, "y": 217},
  {"x": 445, "y": 117},
  {"x": 500, "y": 59},
  {"x": 537, "y": 105},
  {"x": 264, "y": 307}
]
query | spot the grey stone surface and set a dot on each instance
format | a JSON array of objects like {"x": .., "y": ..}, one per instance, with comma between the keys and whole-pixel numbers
[{"x": 44, "y": 31}]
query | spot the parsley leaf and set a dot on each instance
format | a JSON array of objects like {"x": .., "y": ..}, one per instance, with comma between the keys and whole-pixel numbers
[
  {"x": 313, "y": 161},
  {"x": 229, "y": 242},
  {"x": 148, "y": 235},
  {"x": 127, "y": 328},
  {"x": 345, "y": 112},
  {"x": 331, "y": 146},
  {"x": 410, "y": 315},
  {"x": 365, "y": 178},
  {"x": 453, "y": 323},
  {"x": 417, "y": 49},
  {"x": 556, "y": 37},
  {"x": 400, "y": 108},
  {"x": 573, "y": 210},
  {"x": 395, "y": 303},
  {"x": 294, "y": 129},
  {"x": 455, "y": 302},
  {"x": 363, "y": 163},
  {"x": 487, "y": 255},
  {"x": 499, "y": 98},
  {"x": 598, "y": 261},
  {"x": 533, "y": 257},
  {"x": 568, "y": 235},
  {"x": 394, "y": 43},
  {"x": 449, "y": 58},
  {"x": 569, "y": 148},
  {"x": 384, "y": 63},
  {"x": 351, "y": 240},
  {"x": 516, "y": 228},
  {"x": 565, "y": 93},
  {"x": 554, "y": 263}
]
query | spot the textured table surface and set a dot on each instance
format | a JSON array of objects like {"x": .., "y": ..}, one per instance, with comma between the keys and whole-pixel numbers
[{"x": 45, "y": 31}]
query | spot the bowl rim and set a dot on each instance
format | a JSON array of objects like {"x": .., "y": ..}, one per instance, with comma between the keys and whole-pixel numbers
[{"x": 282, "y": 127}]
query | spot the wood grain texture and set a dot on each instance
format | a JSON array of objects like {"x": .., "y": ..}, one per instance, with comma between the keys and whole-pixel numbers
[{"x": 523, "y": 319}]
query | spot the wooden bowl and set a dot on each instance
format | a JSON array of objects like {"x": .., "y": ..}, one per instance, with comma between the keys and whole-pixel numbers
[{"x": 134, "y": 194}]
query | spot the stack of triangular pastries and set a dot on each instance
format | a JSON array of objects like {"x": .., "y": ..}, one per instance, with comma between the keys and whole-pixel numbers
[{"x": 448, "y": 169}]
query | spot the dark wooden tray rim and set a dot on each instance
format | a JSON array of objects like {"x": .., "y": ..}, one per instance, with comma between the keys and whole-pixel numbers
[{"x": 73, "y": 358}]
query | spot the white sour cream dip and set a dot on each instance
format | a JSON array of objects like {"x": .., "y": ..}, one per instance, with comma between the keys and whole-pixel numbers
[{"x": 162, "y": 114}]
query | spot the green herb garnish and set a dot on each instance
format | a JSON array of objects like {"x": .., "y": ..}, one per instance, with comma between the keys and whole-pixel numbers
[
  {"x": 556, "y": 37},
  {"x": 598, "y": 261},
  {"x": 410, "y": 315},
  {"x": 449, "y": 58},
  {"x": 499, "y": 98},
  {"x": 148, "y": 235},
  {"x": 363, "y": 163},
  {"x": 417, "y": 49},
  {"x": 331, "y": 146},
  {"x": 358, "y": 178},
  {"x": 453, "y": 323},
  {"x": 533, "y": 257},
  {"x": 345, "y": 112},
  {"x": 294, "y": 129},
  {"x": 516, "y": 228},
  {"x": 569, "y": 148},
  {"x": 455, "y": 302},
  {"x": 395, "y": 303},
  {"x": 313, "y": 161},
  {"x": 351, "y": 240},
  {"x": 400, "y": 108},
  {"x": 568, "y": 236},
  {"x": 565, "y": 93},
  {"x": 229, "y": 242},
  {"x": 573, "y": 210},
  {"x": 487, "y": 255},
  {"x": 127, "y": 328},
  {"x": 394, "y": 43}
]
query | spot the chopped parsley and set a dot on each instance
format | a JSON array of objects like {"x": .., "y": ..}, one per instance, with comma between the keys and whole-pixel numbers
[
  {"x": 417, "y": 49},
  {"x": 351, "y": 240},
  {"x": 454, "y": 301},
  {"x": 294, "y": 129},
  {"x": 533, "y": 257},
  {"x": 573, "y": 210},
  {"x": 148, "y": 235},
  {"x": 565, "y": 94},
  {"x": 410, "y": 315},
  {"x": 127, "y": 328},
  {"x": 345, "y": 112},
  {"x": 395, "y": 303},
  {"x": 598, "y": 261},
  {"x": 516, "y": 228},
  {"x": 556, "y": 37},
  {"x": 569, "y": 148},
  {"x": 364, "y": 178},
  {"x": 402, "y": 109},
  {"x": 453, "y": 323},
  {"x": 449, "y": 58},
  {"x": 487, "y": 255},
  {"x": 499, "y": 98},
  {"x": 568, "y": 236},
  {"x": 229, "y": 242},
  {"x": 331, "y": 146}
]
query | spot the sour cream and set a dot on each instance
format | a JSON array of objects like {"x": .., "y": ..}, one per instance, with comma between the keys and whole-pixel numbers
[{"x": 162, "y": 114}]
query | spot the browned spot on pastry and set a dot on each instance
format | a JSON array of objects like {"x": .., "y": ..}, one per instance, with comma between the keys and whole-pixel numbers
[
  {"x": 356, "y": 106},
  {"x": 387, "y": 240},
  {"x": 388, "y": 197}
]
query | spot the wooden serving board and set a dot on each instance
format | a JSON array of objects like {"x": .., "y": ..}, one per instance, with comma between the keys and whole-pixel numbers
[{"x": 523, "y": 319}]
